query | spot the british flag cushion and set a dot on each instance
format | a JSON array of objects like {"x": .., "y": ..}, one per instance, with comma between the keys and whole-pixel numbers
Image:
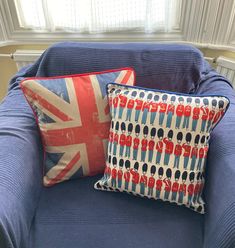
[
  {"x": 159, "y": 144},
  {"x": 73, "y": 116}
]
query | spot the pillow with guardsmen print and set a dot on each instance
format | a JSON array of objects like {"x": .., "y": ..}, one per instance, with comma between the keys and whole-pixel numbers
[{"x": 158, "y": 143}]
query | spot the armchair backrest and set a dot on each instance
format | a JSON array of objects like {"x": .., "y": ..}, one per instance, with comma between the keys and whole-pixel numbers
[{"x": 164, "y": 66}]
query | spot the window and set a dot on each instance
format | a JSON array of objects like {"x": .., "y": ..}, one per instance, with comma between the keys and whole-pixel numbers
[
  {"x": 98, "y": 16},
  {"x": 204, "y": 23}
]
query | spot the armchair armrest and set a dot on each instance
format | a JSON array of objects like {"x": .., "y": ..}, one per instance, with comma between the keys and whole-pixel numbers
[
  {"x": 20, "y": 170},
  {"x": 220, "y": 172}
]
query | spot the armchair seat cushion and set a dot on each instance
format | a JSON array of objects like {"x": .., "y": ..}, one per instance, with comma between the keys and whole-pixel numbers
[{"x": 101, "y": 219}]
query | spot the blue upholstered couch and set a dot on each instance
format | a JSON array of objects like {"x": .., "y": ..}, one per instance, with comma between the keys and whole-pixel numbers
[{"x": 72, "y": 214}]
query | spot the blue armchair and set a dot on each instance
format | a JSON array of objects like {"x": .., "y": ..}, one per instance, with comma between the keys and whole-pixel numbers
[{"x": 72, "y": 214}]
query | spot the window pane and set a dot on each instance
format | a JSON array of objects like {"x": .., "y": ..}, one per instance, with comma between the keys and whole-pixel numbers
[
  {"x": 31, "y": 13},
  {"x": 97, "y": 16}
]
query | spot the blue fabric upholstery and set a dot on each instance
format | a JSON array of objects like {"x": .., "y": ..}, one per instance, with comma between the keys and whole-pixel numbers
[
  {"x": 73, "y": 214},
  {"x": 107, "y": 219}
]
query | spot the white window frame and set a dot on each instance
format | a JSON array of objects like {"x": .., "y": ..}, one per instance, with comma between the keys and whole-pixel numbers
[
  {"x": 198, "y": 24},
  {"x": 15, "y": 33}
]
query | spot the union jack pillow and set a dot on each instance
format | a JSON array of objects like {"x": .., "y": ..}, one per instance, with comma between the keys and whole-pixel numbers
[
  {"x": 73, "y": 117},
  {"x": 159, "y": 144}
]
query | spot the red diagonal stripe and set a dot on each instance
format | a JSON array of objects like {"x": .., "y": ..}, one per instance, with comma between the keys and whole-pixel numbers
[
  {"x": 126, "y": 77},
  {"x": 66, "y": 169}
]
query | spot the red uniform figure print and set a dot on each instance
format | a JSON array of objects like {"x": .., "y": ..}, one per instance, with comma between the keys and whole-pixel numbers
[
  {"x": 144, "y": 144},
  {"x": 143, "y": 179},
  {"x": 187, "y": 149},
  {"x": 114, "y": 172},
  {"x": 179, "y": 112},
  {"x": 194, "y": 152},
  {"x": 135, "y": 176},
  {"x": 170, "y": 108},
  {"x": 162, "y": 109},
  {"x": 136, "y": 142},
  {"x": 129, "y": 140},
  {"x": 205, "y": 114},
  {"x": 122, "y": 104},
  {"x": 127, "y": 174},
  {"x": 169, "y": 147},
  {"x": 167, "y": 182},
  {"x": 154, "y": 108},
  {"x": 130, "y": 105},
  {"x": 211, "y": 115},
  {"x": 196, "y": 190},
  {"x": 187, "y": 110},
  {"x": 178, "y": 150},
  {"x": 182, "y": 187},
  {"x": 120, "y": 173},
  {"x": 115, "y": 143},
  {"x": 159, "y": 145},
  {"x": 187, "y": 113},
  {"x": 151, "y": 144},
  {"x": 196, "y": 114},
  {"x": 170, "y": 111},
  {"x": 122, "y": 139},
  {"x": 107, "y": 173},
  {"x": 190, "y": 188},
  {"x": 111, "y": 139},
  {"x": 146, "y": 108},
  {"x": 115, "y": 105},
  {"x": 139, "y": 103},
  {"x": 159, "y": 182},
  {"x": 123, "y": 101},
  {"x": 219, "y": 114},
  {"x": 206, "y": 148},
  {"x": 175, "y": 186},
  {"x": 151, "y": 181},
  {"x": 128, "y": 146}
]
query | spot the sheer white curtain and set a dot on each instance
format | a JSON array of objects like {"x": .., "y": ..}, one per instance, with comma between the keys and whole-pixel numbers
[{"x": 98, "y": 16}]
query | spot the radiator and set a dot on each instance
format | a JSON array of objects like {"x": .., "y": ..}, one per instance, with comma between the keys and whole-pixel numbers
[
  {"x": 25, "y": 57},
  {"x": 223, "y": 65},
  {"x": 226, "y": 67}
]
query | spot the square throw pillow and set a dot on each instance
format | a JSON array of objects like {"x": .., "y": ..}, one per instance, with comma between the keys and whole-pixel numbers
[
  {"x": 73, "y": 116},
  {"x": 159, "y": 144}
]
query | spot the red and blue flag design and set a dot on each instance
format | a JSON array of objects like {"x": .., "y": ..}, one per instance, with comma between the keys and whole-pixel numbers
[{"x": 74, "y": 120}]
